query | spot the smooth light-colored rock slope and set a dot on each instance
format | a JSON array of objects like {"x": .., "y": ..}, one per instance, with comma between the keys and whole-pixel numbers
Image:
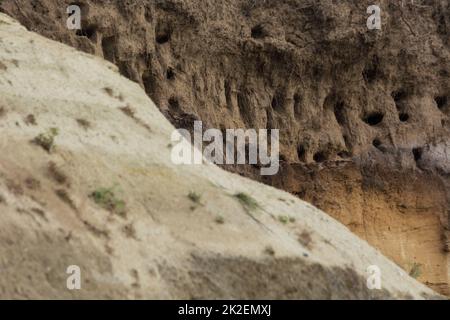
[{"x": 165, "y": 245}]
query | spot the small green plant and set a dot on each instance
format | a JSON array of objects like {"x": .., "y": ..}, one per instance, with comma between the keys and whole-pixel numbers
[
  {"x": 106, "y": 198},
  {"x": 286, "y": 219},
  {"x": 247, "y": 201},
  {"x": 46, "y": 140},
  {"x": 220, "y": 220},
  {"x": 194, "y": 197},
  {"x": 416, "y": 270},
  {"x": 283, "y": 219}
]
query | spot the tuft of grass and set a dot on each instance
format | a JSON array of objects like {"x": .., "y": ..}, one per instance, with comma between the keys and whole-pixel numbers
[
  {"x": 219, "y": 220},
  {"x": 194, "y": 197},
  {"x": 107, "y": 199},
  {"x": 47, "y": 139},
  {"x": 247, "y": 201},
  {"x": 416, "y": 270},
  {"x": 286, "y": 219}
]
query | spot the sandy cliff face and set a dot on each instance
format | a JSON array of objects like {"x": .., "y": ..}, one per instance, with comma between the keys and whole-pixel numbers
[
  {"x": 86, "y": 180},
  {"x": 363, "y": 115}
]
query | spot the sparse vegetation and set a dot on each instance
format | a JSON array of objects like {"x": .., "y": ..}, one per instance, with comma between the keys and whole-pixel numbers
[
  {"x": 47, "y": 140},
  {"x": 247, "y": 201},
  {"x": 286, "y": 219},
  {"x": 219, "y": 220},
  {"x": 194, "y": 197},
  {"x": 107, "y": 199},
  {"x": 416, "y": 270},
  {"x": 283, "y": 219}
]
